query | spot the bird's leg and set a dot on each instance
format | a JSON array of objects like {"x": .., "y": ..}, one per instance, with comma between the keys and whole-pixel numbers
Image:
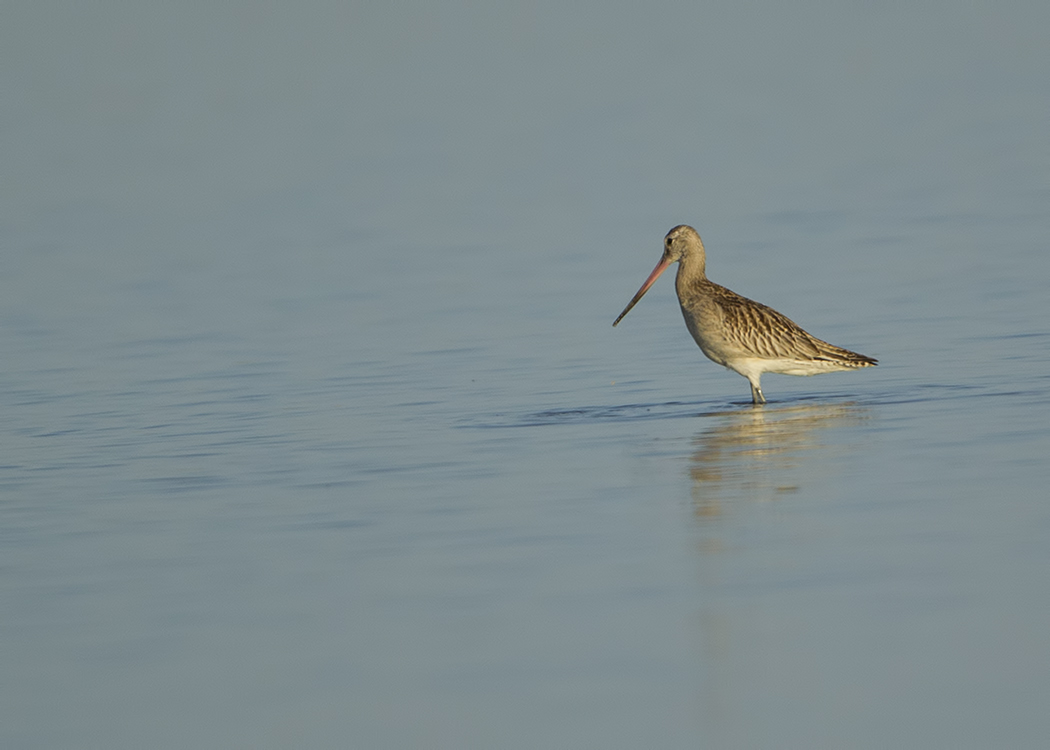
[{"x": 756, "y": 394}]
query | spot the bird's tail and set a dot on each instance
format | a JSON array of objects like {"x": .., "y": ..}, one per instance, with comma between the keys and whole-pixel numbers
[{"x": 844, "y": 357}]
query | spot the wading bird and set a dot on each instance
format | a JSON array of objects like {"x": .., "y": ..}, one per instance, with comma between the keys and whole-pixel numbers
[{"x": 743, "y": 335}]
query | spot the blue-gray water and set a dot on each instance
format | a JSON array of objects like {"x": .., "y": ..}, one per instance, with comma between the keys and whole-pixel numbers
[{"x": 314, "y": 430}]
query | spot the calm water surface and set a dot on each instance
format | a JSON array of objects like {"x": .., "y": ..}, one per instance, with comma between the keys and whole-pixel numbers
[{"x": 315, "y": 431}]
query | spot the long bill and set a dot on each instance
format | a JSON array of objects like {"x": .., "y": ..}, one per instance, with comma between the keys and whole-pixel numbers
[{"x": 660, "y": 268}]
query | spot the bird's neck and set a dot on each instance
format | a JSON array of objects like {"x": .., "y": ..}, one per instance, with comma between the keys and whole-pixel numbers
[{"x": 691, "y": 270}]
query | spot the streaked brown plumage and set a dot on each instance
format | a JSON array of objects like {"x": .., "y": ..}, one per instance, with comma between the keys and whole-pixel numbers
[{"x": 736, "y": 332}]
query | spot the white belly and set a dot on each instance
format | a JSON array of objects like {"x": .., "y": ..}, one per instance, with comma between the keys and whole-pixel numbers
[{"x": 749, "y": 367}]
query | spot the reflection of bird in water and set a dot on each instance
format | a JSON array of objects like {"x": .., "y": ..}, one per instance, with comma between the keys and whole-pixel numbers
[
  {"x": 754, "y": 454},
  {"x": 736, "y": 332}
]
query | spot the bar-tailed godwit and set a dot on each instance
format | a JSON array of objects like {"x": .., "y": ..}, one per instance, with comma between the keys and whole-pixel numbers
[{"x": 743, "y": 335}]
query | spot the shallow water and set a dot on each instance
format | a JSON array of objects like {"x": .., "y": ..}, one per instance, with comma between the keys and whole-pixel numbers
[{"x": 316, "y": 431}]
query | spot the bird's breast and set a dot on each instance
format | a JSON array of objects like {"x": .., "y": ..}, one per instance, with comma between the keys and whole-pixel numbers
[{"x": 705, "y": 321}]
